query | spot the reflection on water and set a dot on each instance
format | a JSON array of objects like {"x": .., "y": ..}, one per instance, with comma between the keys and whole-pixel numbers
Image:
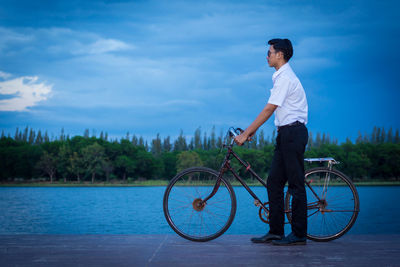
[{"x": 138, "y": 210}]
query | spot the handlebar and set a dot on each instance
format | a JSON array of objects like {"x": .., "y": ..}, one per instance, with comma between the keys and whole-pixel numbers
[{"x": 233, "y": 132}]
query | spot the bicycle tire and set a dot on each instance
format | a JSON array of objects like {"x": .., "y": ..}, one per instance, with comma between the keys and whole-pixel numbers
[
  {"x": 185, "y": 190},
  {"x": 341, "y": 184}
]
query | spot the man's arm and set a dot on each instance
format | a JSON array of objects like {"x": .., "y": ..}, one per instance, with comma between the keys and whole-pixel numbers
[{"x": 264, "y": 115}]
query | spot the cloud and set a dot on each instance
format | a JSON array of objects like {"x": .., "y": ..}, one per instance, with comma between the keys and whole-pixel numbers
[
  {"x": 173, "y": 102},
  {"x": 102, "y": 46},
  {"x": 22, "y": 92},
  {"x": 314, "y": 64},
  {"x": 259, "y": 75},
  {"x": 10, "y": 38},
  {"x": 66, "y": 40},
  {"x": 4, "y": 75},
  {"x": 58, "y": 41}
]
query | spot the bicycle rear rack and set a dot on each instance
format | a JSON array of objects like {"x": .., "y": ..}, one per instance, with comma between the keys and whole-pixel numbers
[{"x": 331, "y": 161}]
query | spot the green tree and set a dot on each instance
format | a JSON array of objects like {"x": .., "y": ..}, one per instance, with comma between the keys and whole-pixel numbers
[
  {"x": 147, "y": 166},
  {"x": 374, "y": 135},
  {"x": 256, "y": 159},
  {"x": 46, "y": 137},
  {"x": 86, "y": 133},
  {"x": 25, "y": 157},
  {"x": 213, "y": 140},
  {"x": 169, "y": 159},
  {"x": 205, "y": 142},
  {"x": 39, "y": 138},
  {"x": 386, "y": 158},
  {"x": 48, "y": 164},
  {"x": 261, "y": 140},
  {"x": 76, "y": 165},
  {"x": 365, "y": 139},
  {"x": 156, "y": 146},
  {"x": 253, "y": 142},
  {"x": 167, "y": 146},
  {"x": 382, "y": 137},
  {"x": 108, "y": 167},
  {"x": 141, "y": 142},
  {"x": 191, "y": 144},
  {"x": 197, "y": 139},
  {"x": 126, "y": 165},
  {"x": 378, "y": 136},
  {"x": 94, "y": 159},
  {"x": 16, "y": 135},
  {"x": 359, "y": 138},
  {"x": 356, "y": 162},
  {"x": 310, "y": 143},
  {"x": 318, "y": 140},
  {"x": 25, "y": 135},
  {"x": 135, "y": 140},
  {"x": 188, "y": 159},
  {"x": 273, "y": 138},
  {"x": 390, "y": 136},
  {"x": 8, "y": 157},
  {"x": 180, "y": 143},
  {"x": 62, "y": 135},
  {"x": 220, "y": 139},
  {"x": 268, "y": 154},
  {"x": 32, "y": 136},
  {"x": 63, "y": 161}
]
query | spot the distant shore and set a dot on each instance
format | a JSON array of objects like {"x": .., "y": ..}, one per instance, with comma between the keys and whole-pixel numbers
[{"x": 156, "y": 183}]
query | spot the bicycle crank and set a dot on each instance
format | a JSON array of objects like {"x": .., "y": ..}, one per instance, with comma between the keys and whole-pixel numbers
[{"x": 263, "y": 212}]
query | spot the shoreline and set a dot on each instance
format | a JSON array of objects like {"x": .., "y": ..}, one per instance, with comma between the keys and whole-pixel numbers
[{"x": 154, "y": 183}]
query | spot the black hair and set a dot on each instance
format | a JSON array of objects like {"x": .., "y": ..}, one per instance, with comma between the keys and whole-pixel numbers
[{"x": 284, "y": 46}]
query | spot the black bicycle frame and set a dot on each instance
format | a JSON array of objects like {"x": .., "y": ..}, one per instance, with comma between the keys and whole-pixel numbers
[{"x": 227, "y": 166}]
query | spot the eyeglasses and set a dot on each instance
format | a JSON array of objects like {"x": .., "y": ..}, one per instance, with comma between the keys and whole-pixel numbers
[{"x": 269, "y": 53}]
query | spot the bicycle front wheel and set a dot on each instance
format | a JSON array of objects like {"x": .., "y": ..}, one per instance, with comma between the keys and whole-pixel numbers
[
  {"x": 332, "y": 204},
  {"x": 185, "y": 210}
]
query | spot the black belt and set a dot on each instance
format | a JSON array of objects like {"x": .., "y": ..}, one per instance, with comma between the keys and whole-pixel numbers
[{"x": 296, "y": 123}]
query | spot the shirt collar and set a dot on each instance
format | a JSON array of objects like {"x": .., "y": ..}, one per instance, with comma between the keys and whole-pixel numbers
[{"x": 281, "y": 69}]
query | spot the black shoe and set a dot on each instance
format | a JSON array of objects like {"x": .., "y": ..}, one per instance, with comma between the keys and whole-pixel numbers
[
  {"x": 290, "y": 240},
  {"x": 266, "y": 238}
]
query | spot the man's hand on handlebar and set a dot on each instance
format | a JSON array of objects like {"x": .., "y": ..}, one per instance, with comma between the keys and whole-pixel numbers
[{"x": 243, "y": 137}]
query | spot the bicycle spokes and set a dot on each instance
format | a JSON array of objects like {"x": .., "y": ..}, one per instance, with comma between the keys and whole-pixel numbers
[
  {"x": 191, "y": 216},
  {"x": 332, "y": 204},
  {"x": 326, "y": 180},
  {"x": 195, "y": 217}
]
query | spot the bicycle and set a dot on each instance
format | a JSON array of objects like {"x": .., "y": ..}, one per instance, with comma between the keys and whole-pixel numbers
[{"x": 200, "y": 204}]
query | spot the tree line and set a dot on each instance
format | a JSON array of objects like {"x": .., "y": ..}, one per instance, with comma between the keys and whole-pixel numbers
[{"x": 31, "y": 155}]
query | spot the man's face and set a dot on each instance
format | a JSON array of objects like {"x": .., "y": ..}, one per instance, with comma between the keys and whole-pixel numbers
[{"x": 271, "y": 56}]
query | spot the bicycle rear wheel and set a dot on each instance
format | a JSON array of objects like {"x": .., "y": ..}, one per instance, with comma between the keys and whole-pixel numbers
[
  {"x": 185, "y": 212},
  {"x": 332, "y": 204}
]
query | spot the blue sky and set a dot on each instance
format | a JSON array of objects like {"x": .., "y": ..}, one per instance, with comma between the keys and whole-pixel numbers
[{"x": 151, "y": 67}]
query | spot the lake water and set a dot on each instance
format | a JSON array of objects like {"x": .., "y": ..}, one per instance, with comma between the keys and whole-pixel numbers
[{"x": 138, "y": 210}]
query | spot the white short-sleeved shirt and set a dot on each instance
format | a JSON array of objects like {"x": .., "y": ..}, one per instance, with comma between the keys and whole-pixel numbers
[{"x": 288, "y": 94}]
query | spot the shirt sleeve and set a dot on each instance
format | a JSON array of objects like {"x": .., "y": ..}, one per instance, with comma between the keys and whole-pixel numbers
[{"x": 279, "y": 92}]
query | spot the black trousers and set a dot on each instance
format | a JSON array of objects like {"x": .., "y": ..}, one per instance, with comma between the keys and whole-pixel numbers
[{"x": 288, "y": 166}]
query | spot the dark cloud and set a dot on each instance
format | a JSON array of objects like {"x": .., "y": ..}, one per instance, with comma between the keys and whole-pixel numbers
[{"x": 161, "y": 66}]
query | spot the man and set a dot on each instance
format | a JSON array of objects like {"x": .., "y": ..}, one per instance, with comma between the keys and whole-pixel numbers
[{"x": 288, "y": 101}]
